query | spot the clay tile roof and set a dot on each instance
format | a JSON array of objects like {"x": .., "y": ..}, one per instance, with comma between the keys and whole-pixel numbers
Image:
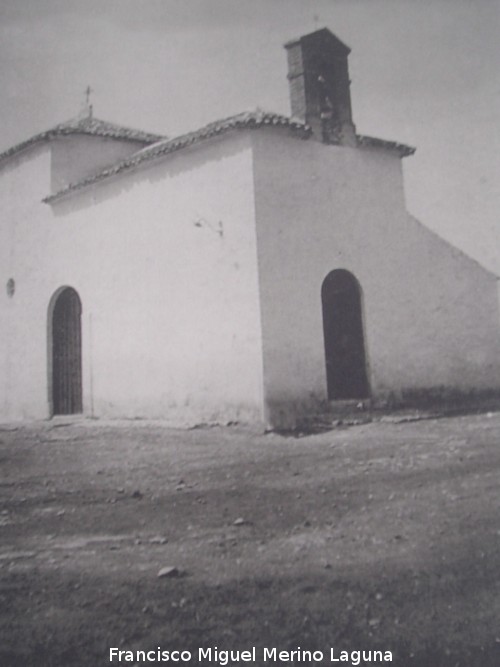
[
  {"x": 373, "y": 142},
  {"x": 245, "y": 120},
  {"x": 164, "y": 146},
  {"x": 89, "y": 126}
]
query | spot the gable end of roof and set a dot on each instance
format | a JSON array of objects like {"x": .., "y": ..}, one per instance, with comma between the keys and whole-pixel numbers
[
  {"x": 245, "y": 120},
  {"x": 85, "y": 126}
]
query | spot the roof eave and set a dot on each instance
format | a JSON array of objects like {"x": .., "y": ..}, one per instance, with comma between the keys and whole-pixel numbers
[
  {"x": 246, "y": 120},
  {"x": 67, "y": 129},
  {"x": 404, "y": 150}
]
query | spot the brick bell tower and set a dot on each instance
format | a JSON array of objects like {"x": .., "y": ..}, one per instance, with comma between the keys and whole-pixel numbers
[{"x": 319, "y": 82}]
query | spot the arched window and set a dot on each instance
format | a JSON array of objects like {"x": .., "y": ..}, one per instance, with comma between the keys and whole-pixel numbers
[
  {"x": 344, "y": 340},
  {"x": 66, "y": 348}
]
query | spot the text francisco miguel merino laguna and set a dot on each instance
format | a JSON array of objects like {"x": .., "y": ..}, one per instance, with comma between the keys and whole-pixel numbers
[{"x": 225, "y": 657}]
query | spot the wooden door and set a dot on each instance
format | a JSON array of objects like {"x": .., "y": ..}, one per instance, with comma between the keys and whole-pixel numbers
[
  {"x": 343, "y": 335},
  {"x": 67, "y": 354}
]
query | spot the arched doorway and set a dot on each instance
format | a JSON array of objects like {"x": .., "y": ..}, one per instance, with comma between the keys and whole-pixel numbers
[
  {"x": 344, "y": 340},
  {"x": 66, "y": 348}
]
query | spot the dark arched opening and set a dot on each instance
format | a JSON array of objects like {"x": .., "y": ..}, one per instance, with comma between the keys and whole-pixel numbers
[
  {"x": 66, "y": 350},
  {"x": 344, "y": 340}
]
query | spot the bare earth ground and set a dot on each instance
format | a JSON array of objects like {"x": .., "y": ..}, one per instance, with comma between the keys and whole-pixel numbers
[{"x": 379, "y": 536}]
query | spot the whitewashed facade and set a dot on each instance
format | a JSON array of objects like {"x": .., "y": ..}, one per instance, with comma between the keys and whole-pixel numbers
[{"x": 198, "y": 265}]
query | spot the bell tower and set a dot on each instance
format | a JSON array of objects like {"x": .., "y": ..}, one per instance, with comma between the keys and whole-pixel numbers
[{"x": 319, "y": 82}]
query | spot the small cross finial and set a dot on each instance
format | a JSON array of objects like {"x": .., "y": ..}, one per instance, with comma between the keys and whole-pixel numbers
[
  {"x": 88, "y": 91},
  {"x": 86, "y": 111},
  {"x": 316, "y": 21}
]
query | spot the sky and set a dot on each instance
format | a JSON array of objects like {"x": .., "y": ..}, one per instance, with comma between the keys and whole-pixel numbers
[{"x": 424, "y": 72}]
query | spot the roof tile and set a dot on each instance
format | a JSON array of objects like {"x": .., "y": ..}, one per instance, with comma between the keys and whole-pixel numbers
[
  {"x": 89, "y": 126},
  {"x": 160, "y": 146},
  {"x": 245, "y": 120}
]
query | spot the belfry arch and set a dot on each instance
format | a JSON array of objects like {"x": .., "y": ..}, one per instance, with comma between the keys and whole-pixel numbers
[
  {"x": 345, "y": 357},
  {"x": 65, "y": 353}
]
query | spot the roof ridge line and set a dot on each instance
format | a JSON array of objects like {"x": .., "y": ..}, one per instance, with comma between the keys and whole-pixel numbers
[
  {"x": 245, "y": 119},
  {"x": 89, "y": 126}
]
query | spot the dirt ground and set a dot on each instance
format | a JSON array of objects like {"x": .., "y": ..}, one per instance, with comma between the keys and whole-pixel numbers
[{"x": 378, "y": 536}]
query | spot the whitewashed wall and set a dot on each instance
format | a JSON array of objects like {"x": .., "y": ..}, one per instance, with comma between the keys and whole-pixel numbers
[
  {"x": 171, "y": 320},
  {"x": 74, "y": 157},
  {"x": 430, "y": 313},
  {"x": 200, "y": 279},
  {"x": 24, "y": 181}
]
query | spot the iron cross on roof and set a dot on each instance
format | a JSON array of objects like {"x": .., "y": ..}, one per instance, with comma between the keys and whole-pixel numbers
[{"x": 87, "y": 107}]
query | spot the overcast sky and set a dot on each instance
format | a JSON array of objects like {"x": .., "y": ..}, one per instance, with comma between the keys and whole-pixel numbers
[{"x": 424, "y": 72}]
